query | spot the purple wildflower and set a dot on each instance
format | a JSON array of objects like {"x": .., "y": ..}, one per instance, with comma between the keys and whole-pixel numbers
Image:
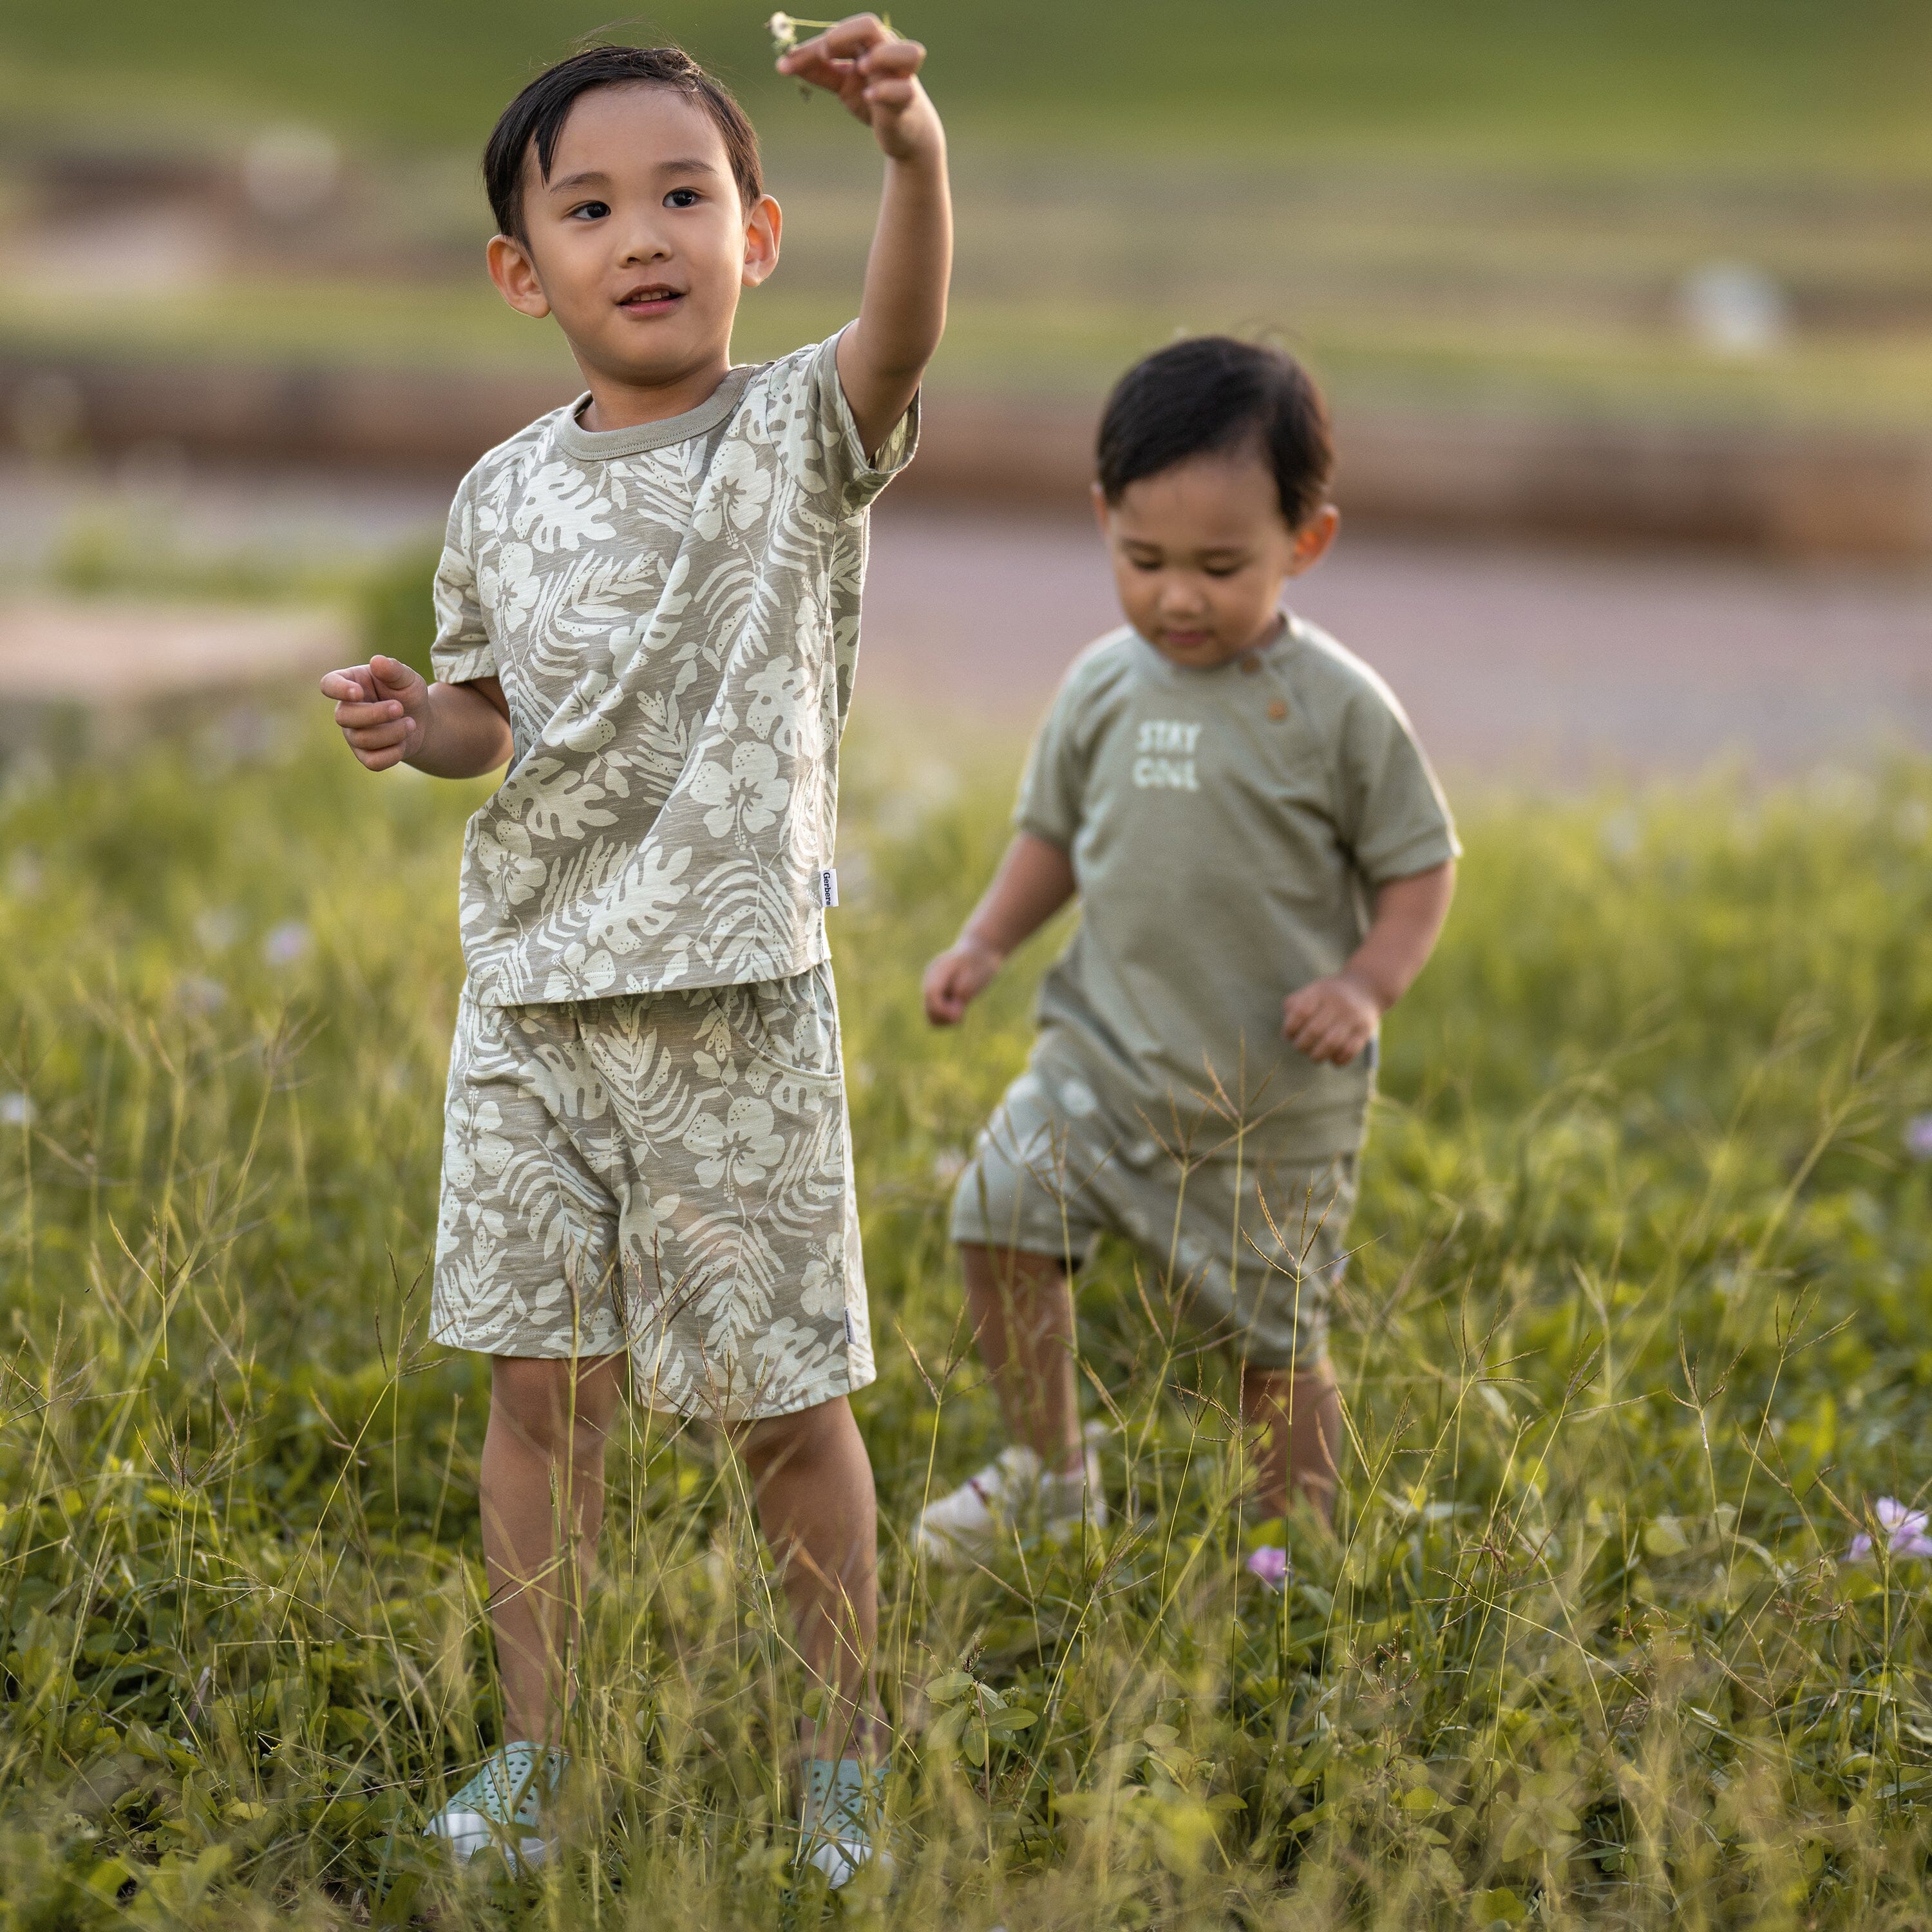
[
  {"x": 1904, "y": 1531},
  {"x": 1271, "y": 1565},
  {"x": 1918, "y": 1136}
]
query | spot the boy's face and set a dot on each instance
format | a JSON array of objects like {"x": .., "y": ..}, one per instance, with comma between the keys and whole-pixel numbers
[
  {"x": 638, "y": 244},
  {"x": 1200, "y": 553}
]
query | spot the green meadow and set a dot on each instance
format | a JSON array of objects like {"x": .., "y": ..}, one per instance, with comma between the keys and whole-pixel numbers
[{"x": 1635, "y": 1337}]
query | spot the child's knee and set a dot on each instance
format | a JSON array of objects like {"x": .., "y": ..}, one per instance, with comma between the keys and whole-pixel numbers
[
  {"x": 554, "y": 1405},
  {"x": 773, "y": 1440}
]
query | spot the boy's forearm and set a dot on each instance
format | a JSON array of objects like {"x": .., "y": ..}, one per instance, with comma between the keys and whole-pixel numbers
[
  {"x": 1035, "y": 880},
  {"x": 902, "y": 314},
  {"x": 1408, "y": 918},
  {"x": 464, "y": 735}
]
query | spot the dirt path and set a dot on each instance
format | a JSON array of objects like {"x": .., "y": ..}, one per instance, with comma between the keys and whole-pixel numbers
[{"x": 1547, "y": 665}]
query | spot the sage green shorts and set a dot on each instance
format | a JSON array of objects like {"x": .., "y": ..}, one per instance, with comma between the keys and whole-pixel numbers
[
  {"x": 1252, "y": 1253},
  {"x": 669, "y": 1174}
]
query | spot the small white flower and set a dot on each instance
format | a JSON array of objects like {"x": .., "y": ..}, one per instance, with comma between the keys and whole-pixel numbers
[
  {"x": 1918, "y": 1136},
  {"x": 16, "y": 1110},
  {"x": 218, "y": 928},
  {"x": 286, "y": 943},
  {"x": 1621, "y": 834},
  {"x": 198, "y": 995},
  {"x": 948, "y": 1164}
]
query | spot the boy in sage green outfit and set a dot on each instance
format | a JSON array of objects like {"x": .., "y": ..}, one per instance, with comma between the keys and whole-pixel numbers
[{"x": 1263, "y": 860}]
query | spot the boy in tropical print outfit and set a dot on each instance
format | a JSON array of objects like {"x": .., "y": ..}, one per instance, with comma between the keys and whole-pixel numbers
[{"x": 648, "y": 607}]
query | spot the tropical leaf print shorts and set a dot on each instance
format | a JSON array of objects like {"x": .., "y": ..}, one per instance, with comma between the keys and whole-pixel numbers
[
  {"x": 669, "y": 1174},
  {"x": 1250, "y": 1252}
]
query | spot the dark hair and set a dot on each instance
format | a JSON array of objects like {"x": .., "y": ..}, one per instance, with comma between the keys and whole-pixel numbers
[
  {"x": 538, "y": 114},
  {"x": 1210, "y": 393}
]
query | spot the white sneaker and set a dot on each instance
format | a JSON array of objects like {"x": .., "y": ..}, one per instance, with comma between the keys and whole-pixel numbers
[
  {"x": 500, "y": 1804},
  {"x": 964, "y": 1529},
  {"x": 842, "y": 1819}
]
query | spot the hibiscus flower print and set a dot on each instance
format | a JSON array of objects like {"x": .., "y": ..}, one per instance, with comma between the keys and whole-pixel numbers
[
  {"x": 509, "y": 586},
  {"x": 747, "y": 795},
  {"x": 737, "y": 493},
  {"x": 741, "y": 1147},
  {"x": 472, "y": 1142}
]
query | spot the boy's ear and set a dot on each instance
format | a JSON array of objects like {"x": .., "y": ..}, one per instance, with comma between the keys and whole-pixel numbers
[
  {"x": 1312, "y": 539},
  {"x": 515, "y": 275},
  {"x": 762, "y": 229}
]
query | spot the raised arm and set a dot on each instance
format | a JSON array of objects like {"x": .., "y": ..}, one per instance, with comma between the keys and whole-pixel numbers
[
  {"x": 1034, "y": 880},
  {"x": 882, "y": 356}
]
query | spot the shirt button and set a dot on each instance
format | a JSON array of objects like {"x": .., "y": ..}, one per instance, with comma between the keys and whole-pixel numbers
[{"x": 1278, "y": 710}]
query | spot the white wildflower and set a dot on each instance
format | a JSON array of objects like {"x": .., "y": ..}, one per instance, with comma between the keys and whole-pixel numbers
[{"x": 286, "y": 943}]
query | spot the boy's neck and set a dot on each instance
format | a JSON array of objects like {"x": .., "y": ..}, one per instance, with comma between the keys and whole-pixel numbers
[{"x": 618, "y": 403}]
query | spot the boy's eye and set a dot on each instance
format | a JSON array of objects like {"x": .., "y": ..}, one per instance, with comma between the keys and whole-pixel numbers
[
  {"x": 1224, "y": 569},
  {"x": 1145, "y": 563},
  {"x": 683, "y": 197},
  {"x": 590, "y": 211}
]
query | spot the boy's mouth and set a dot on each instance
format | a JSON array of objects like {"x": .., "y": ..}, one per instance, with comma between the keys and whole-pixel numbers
[{"x": 649, "y": 298}]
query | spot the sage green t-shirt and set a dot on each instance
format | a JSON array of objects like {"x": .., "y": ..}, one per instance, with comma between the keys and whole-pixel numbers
[{"x": 1227, "y": 830}]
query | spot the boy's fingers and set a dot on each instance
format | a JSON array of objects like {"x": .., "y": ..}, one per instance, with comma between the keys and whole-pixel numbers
[
  {"x": 352, "y": 682},
  {"x": 890, "y": 93},
  {"x": 856, "y": 33},
  {"x": 390, "y": 674},
  {"x": 903, "y": 58},
  {"x": 380, "y": 737},
  {"x": 357, "y": 713}
]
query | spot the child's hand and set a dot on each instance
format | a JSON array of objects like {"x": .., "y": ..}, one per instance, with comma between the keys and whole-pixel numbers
[
  {"x": 875, "y": 73},
  {"x": 382, "y": 707},
  {"x": 1331, "y": 1020},
  {"x": 956, "y": 979}
]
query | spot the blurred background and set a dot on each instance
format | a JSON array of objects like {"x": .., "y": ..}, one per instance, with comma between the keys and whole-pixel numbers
[{"x": 1625, "y": 308}]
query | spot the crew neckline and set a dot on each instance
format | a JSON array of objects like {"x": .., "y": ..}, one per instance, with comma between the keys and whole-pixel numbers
[{"x": 602, "y": 445}]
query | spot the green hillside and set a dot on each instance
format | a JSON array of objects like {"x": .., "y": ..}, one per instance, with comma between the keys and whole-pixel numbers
[{"x": 1757, "y": 80}]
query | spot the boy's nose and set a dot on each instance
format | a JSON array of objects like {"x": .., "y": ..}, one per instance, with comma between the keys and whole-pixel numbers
[{"x": 643, "y": 243}]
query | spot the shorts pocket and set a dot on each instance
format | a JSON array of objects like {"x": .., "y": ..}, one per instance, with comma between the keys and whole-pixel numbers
[{"x": 791, "y": 1024}]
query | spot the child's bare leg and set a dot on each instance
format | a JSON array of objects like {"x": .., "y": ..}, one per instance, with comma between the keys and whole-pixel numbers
[
  {"x": 1022, "y": 1316},
  {"x": 1302, "y": 1414},
  {"x": 548, "y": 1420},
  {"x": 813, "y": 1480}
]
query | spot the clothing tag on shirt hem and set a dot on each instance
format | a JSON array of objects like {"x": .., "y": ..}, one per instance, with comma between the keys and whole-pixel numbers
[
  {"x": 851, "y": 1330},
  {"x": 828, "y": 887}
]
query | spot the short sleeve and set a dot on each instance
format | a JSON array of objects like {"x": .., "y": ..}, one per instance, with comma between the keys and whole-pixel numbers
[
  {"x": 462, "y": 651},
  {"x": 849, "y": 472},
  {"x": 1393, "y": 818},
  {"x": 1053, "y": 785}
]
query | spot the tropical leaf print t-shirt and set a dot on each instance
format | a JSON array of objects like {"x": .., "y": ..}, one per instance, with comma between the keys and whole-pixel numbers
[{"x": 673, "y": 612}]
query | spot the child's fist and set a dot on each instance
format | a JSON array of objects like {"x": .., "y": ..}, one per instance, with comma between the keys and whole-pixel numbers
[
  {"x": 956, "y": 979},
  {"x": 1331, "y": 1020},
  {"x": 875, "y": 73},
  {"x": 382, "y": 707}
]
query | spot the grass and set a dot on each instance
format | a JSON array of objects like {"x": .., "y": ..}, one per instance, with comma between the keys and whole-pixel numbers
[{"x": 1637, "y": 1334}]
